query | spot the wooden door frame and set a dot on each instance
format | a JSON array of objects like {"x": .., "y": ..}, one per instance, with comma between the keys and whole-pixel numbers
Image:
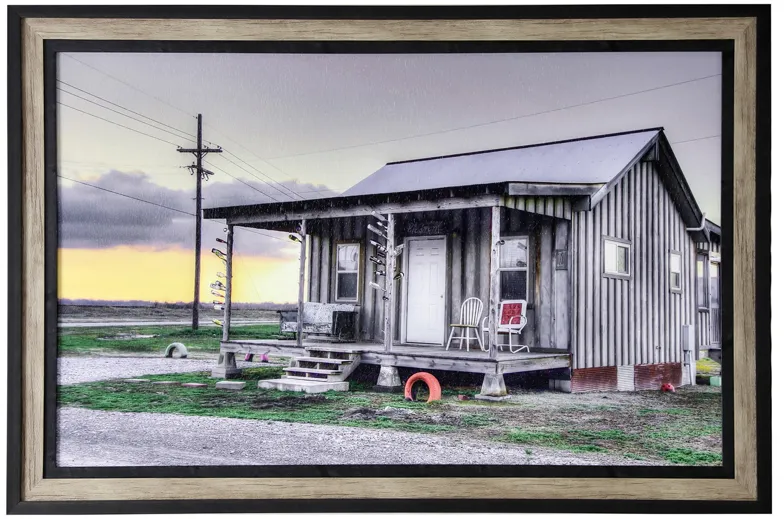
[{"x": 406, "y": 277}]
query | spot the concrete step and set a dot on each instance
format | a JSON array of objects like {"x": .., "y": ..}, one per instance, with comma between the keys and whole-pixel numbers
[
  {"x": 323, "y": 360},
  {"x": 314, "y": 370},
  {"x": 303, "y": 385}
]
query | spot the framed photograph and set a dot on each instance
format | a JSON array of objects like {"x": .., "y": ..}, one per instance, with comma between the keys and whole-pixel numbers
[{"x": 389, "y": 259}]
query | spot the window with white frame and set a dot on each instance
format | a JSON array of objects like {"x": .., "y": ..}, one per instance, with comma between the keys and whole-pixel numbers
[
  {"x": 347, "y": 276},
  {"x": 676, "y": 268},
  {"x": 617, "y": 258},
  {"x": 513, "y": 267}
]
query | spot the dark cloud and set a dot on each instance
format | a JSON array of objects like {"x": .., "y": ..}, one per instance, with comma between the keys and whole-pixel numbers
[{"x": 95, "y": 219}]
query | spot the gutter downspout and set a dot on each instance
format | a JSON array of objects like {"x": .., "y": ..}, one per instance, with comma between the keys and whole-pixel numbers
[{"x": 701, "y": 227}]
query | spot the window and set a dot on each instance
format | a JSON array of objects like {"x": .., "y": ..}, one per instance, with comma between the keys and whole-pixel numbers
[
  {"x": 702, "y": 282},
  {"x": 675, "y": 271},
  {"x": 514, "y": 268},
  {"x": 617, "y": 258},
  {"x": 347, "y": 282}
]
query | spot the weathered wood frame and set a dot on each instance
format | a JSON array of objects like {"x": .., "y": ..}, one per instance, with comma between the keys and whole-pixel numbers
[{"x": 742, "y": 31}]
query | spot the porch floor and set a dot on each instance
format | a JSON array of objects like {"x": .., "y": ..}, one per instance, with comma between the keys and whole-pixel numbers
[{"x": 412, "y": 356}]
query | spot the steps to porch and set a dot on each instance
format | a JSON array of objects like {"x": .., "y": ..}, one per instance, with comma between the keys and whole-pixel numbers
[{"x": 320, "y": 369}]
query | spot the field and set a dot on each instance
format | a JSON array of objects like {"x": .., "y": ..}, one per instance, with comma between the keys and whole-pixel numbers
[
  {"x": 649, "y": 427},
  {"x": 73, "y": 313},
  {"x": 656, "y": 428},
  {"x": 155, "y": 339}
]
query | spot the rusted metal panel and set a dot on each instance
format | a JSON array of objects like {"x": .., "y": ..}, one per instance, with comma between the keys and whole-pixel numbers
[
  {"x": 595, "y": 379},
  {"x": 652, "y": 376}
]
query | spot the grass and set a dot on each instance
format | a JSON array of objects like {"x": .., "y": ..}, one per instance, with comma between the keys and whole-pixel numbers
[
  {"x": 254, "y": 403},
  {"x": 87, "y": 340},
  {"x": 691, "y": 457}
]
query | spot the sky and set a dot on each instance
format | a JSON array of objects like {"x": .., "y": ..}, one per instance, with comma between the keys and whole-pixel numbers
[{"x": 312, "y": 125}]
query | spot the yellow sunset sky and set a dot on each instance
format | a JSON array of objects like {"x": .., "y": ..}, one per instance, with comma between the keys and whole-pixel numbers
[{"x": 128, "y": 273}]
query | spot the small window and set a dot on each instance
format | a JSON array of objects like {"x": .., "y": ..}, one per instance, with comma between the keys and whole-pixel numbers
[
  {"x": 617, "y": 258},
  {"x": 347, "y": 282},
  {"x": 702, "y": 282},
  {"x": 675, "y": 271},
  {"x": 514, "y": 268}
]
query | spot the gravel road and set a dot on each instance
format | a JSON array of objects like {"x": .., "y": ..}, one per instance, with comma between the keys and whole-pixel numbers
[
  {"x": 74, "y": 370},
  {"x": 100, "y": 438}
]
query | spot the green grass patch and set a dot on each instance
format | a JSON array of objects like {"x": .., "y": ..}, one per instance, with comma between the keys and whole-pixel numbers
[
  {"x": 587, "y": 448},
  {"x": 691, "y": 457},
  {"x": 672, "y": 411},
  {"x": 85, "y": 340},
  {"x": 633, "y": 456},
  {"x": 547, "y": 438},
  {"x": 477, "y": 420}
]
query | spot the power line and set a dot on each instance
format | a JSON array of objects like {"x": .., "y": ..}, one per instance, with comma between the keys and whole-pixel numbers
[
  {"x": 497, "y": 121},
  {"x": 124, "y": 115},
  {"x": 117, "y": 124},
  {"x": 240, "y": 180},
  {"x": 257, "y": 178},
  {"x": 161, "y": 205},
  {"x": 189, "y": 135},
  {"x": 126, "y": 196},
  {"x": 262, "y": 173},
  {"x": 127, "y": 84},
  {"x": 697, "y": 139}
]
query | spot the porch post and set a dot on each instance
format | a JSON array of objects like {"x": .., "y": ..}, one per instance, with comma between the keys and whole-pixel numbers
[
  {"x": 227, "y": 364},
  {"x": 227, "y": 302},
  {"x": 389, "y": 283},
  {"x": 495, "y": 289},
  {"x": 301, "y": 295}
]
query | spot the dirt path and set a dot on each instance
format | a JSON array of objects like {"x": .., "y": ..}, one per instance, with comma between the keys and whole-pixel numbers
[{"x": 100, "y": 438}]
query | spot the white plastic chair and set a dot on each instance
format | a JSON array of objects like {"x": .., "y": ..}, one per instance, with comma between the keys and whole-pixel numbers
[
  {"x": 470, "y": 313},
  {"x": 511, "y": 320}
]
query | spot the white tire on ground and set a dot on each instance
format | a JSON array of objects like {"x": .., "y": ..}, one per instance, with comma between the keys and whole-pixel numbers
[{"x": 180, "y": 347}]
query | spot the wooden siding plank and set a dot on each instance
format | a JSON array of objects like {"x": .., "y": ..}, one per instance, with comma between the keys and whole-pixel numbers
[
  {"x": 368, "y": 295},
  {"x": 584, "y": 258},
  {"x": 457, "y": 265},
  {"x": 561, "y": 290},
  {"x": 471, "y": 277},
  {"x": 315, "y": 267},
  {"x": 326, "y": 261},
  {"x": 484, "y": 255},
  {"x": 558, "y": 207},
  {"x": 545, "y": 301},
  {"x": 493, "y": 279}
]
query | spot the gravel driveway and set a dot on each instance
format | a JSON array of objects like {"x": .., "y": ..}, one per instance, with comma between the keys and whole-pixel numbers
[
  {"x": 100, "y": 438},
  {"x": 74, "y": 370}
]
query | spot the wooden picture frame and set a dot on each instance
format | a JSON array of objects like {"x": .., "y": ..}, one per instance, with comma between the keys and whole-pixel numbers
[{"x": 746, "y": 29}]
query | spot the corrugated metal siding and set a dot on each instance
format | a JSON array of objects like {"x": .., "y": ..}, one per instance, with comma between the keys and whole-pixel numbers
[
  {"x": 652, "y": 376},
  {"x": 555, "y": 206},
  {"x": 594, "y": 379},
  {"x": 636, "y": 320}
]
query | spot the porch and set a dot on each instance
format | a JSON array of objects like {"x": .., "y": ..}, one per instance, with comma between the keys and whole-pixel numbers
[{"x": 409, "y": 356}]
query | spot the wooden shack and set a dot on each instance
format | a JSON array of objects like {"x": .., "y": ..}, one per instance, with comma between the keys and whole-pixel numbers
[{"x": 601, "y": 236}]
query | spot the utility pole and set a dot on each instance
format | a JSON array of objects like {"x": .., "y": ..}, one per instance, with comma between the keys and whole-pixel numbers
[{"x": 199, "y": 152}]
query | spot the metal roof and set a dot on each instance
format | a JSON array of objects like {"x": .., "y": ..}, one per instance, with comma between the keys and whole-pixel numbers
[{"x": 593, "y": 160}]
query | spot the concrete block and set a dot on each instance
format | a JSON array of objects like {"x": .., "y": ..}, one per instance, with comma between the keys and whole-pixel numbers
[
  {"x": 564, "y": 386},
  {"x": 136, "y": 380},
  {"x": 230, "y": 385},
  {"x": 194, "y": 384},
  {"x": 489, "y": 398},
  {"x": 388, "y": 379},
  {"x": 301, "y": 385},
  {"x": 166, "y": 383},
  {"x": 493, "y": 385}
]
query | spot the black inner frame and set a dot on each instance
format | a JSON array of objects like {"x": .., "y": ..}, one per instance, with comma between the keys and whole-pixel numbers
[
  {"x": 763, "y": 431},
  {"x": 52, "y": 47}
]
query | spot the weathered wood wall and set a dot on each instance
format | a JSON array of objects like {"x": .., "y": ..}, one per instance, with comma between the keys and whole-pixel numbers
[
  {"x": 636, "y": 320},
  {"x": 467, "y": 267}
]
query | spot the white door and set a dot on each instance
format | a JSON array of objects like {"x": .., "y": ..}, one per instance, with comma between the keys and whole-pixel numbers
[{"x": 425, "y": 297}]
